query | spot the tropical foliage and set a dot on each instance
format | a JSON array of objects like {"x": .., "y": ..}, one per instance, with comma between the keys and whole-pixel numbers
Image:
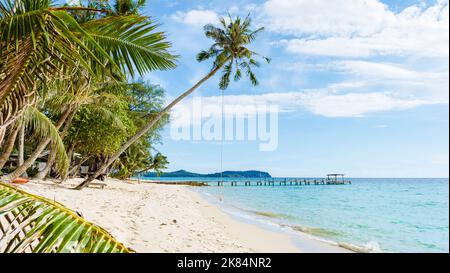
[
  {"x": 29, "y": 223},
  {"x": 66, "y": 83}
]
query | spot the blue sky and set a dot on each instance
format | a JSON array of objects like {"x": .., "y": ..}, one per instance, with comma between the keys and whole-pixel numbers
[{"x": 362, "y": 85}]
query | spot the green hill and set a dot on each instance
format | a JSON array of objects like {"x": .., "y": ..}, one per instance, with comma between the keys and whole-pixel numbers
[{"x": 226, "y": 174}]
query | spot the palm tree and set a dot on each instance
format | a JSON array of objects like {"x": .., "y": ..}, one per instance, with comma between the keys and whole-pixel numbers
[
  {"x": 229, "y": 52},
  {"x": 80, "y": 93},
  {"x": 46, "y": 132},
  {"x": 39, "y": 42},
  {"x": 97, "y": 97}
]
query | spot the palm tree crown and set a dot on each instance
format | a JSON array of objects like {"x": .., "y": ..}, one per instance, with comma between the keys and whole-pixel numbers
[{"x": 230, "y": 49}]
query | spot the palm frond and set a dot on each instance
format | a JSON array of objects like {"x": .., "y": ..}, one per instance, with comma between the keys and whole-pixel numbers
[
  {"x": 30, "y": 223},
  {"x": 225, "y": 79},
  {"x": 106, "y": 113},
  {"x": 133, "y": 43},
  {"x": 42, "y": 128},
  {"x": 14, "y": 89},
  {"x": 34, "y": 44},
  {"x": 21, "y": 19},
  {"x": 237, "y": 74}
]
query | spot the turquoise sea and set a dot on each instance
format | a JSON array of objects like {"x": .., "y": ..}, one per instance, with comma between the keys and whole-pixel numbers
[{"x": 371, "y": 214}]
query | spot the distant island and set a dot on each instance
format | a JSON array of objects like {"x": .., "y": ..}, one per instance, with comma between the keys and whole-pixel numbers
[{"x": 226, "y": 174}]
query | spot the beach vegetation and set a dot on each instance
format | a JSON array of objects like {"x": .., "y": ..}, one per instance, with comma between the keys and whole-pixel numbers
[{"x": 69, "y": 83}]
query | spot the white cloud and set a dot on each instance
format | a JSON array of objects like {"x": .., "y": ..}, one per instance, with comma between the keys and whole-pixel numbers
[
  {"x": 356, "y": 104},
  {"x": 394, "y": 78},
  {"x": 424, "y": 80},
  {"x": 244, "y": 9},
  {"x": 320, "y": 102},
  {"x": 331, "y": 17},
  {"x": 73, "y": 2},
  {"x": 155, "y": 80},
  {"x": 196, "y": 17},
  {"x": 359, "y": 28},
  {"x": 384, "y": 70}
]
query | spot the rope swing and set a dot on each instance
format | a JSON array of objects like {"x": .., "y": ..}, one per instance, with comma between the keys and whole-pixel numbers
[{"x": 221, "y": 145}]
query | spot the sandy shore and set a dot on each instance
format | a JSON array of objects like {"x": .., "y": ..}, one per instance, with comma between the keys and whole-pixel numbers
[{"x": 165, "y": 218}]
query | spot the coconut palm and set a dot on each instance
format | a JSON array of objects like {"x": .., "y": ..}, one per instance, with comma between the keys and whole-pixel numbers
[
  {"x": 231, "y": 55},
  {"x": 96, "y": 97},
  {"x": 39, "y": 42},
  {"x": 80, "y": 92},
  {"x": 45, "y": 132}
]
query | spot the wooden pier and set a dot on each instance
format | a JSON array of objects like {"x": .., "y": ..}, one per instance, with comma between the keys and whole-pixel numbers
[{"x": 332, "y": 179}]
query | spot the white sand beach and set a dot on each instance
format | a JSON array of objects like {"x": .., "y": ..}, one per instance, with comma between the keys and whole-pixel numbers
[{"x": 169, "y": 218}]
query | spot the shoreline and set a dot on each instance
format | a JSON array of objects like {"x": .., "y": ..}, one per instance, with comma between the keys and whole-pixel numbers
[
  {"x": 171, "y": 218},
  {"x": 304, "y": 241}
]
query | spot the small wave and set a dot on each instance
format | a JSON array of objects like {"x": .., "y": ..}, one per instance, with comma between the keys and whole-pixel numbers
[
  {"x": 369, "y": 247},
  {"x": 321, "y": 234},
  {"x": 272, "y": 214},
  {"x": 316, "y": 231}
]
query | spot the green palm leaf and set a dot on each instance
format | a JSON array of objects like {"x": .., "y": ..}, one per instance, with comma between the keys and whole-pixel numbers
[
  {"x": 33, "y": 47},
  {"x": 42, "y": 127},
  {"x": 30, "y": 223},
  {"x": 132, "y": 43}
]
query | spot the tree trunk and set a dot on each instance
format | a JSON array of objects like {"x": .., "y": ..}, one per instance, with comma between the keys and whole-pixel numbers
[
  {"x": 48, "y": 166},
  {"x": 145, "y": 129},
  {"x": 74, "y": 171},
  {"x": 21, "y": 145},
  {"x": 70, "y": 154},
  {"x": 9, "y": 145},
  {"x": 52, "y": 156},
  {"x": 2, "y": 135},
  {"x": 21, "y": 148},
  {"x": 37, "y": 152}
]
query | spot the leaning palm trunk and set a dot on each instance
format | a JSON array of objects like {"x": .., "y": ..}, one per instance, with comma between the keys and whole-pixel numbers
[
  {"x": 74, "y": 171},
  {"x": 21, "y": 148},
  {"x": 151, "y": 124},
  {"x": 2, "y": 135},
  {"x": 21, "y": 145},
  {"x": 70, "y": 154},
  {"x": 52, "y": 156},
  {"x": 38, "y": 151},
  {"x": 9, "y": 145},
  {"x": 48, "y": 165}
]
